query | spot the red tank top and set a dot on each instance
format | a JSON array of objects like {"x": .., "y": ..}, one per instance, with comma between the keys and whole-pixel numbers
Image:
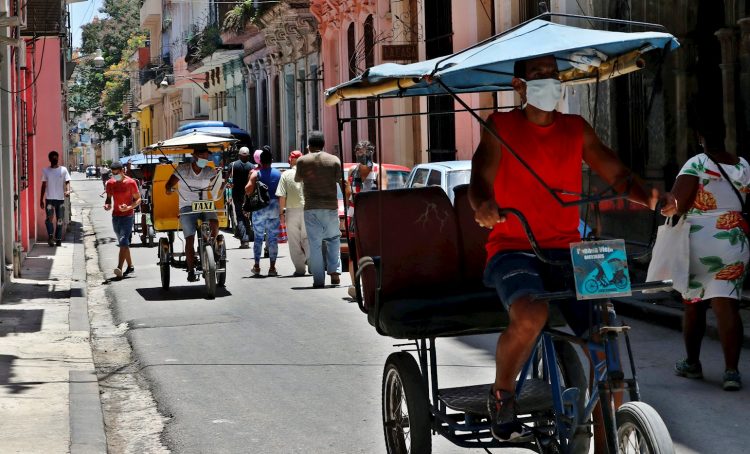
[{"x": 555, "y": 153}]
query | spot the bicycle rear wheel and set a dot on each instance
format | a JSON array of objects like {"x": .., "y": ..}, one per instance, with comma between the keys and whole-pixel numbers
[{"x": 406, "y": 410}]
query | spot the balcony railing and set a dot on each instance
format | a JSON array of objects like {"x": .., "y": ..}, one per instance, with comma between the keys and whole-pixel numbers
[{"x": 155, "y": 69}]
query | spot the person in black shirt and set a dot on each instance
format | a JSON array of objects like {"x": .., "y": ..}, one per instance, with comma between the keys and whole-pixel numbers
[{"x": 240, "y": 173}]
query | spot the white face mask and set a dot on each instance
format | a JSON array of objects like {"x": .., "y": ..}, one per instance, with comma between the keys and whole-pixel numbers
[
  {"x": 117, "y": 177},
  {"x": 200, "y": 162},
  {"x": 544, "y": 94}
]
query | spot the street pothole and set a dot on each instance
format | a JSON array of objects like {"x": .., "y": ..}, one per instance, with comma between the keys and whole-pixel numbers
[{"x": 132, "y": 422}]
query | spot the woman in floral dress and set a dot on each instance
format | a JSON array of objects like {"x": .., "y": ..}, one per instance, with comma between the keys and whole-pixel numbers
[{"x": 719, "y": 251}]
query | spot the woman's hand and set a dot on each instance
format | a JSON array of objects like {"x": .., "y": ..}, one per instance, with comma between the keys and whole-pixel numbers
[{"x": 668, "y": 204}]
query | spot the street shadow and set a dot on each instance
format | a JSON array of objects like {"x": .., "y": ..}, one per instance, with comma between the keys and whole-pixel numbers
[
  {"x": 179, "y": 293},
  {"x": 6, "y": 366},
  {"x": 22, "y": 292},
  {"x": 105, "y": 240},
  {"x": 310, "y": 287},
  {"x": 38, "y": 262},
  {"x": 16, "y": 321}
]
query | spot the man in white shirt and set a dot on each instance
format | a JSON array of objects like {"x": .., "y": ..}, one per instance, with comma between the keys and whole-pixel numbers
[
  {"x": 194, "y": 178},
  {"x": 55, "y": 187}
]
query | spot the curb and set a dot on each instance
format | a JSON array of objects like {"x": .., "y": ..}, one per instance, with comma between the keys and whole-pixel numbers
[
  {"x": 668, "y": 317},
  {"x": 87, "y": 435}
]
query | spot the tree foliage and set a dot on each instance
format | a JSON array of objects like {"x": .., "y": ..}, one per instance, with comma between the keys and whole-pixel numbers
[
  {"x": 102, "y": 91},
  {"x": 243, "y": 13}
]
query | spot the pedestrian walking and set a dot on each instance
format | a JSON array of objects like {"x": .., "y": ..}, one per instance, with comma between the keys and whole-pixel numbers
[
  {"x": 123, "y": 191},
  {"x": 55, "y": 189},
  {"x": 710, "y": 190},
  {"x": 362, "y": 178},
  {"x": 291, "y": 206},
  {"x": 265, "y": 220},
  {"x": 320, "y": 172},
  {"x": 240, "y": 173}
]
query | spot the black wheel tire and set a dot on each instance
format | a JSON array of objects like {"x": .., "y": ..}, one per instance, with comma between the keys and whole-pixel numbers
[
  {"x": 406, "y": 430},
  {"x": 590, "y": 286},
  {"x": 640, "y": 429},
  {"x": 209, "y": 271},
  {"x": 164, "y": 262}
]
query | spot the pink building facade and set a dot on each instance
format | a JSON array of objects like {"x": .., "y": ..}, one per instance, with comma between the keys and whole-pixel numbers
[
  {"x": 357, "y": 34},
  {"x": 43, "y": 133}
]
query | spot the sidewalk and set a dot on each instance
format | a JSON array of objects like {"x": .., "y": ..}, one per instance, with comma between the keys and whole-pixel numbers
[
  {"x": 665, "y": 309},
  {"x": 49, "y": 395}
]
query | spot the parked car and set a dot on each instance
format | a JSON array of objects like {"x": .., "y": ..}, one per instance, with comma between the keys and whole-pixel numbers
[
  {"x": 90, "y": 172},
  {"x": 446, "y": 174},
  {"x": 395, "y": 179}
]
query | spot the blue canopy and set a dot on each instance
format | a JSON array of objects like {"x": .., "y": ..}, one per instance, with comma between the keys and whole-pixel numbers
[
  {"x": 217, "y": 128},
  {"x": 207, "y": 124},
  {"x": 583, "y": 55}
]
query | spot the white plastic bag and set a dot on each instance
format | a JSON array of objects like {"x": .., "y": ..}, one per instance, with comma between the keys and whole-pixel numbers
[{"x": 670, "y": 258}]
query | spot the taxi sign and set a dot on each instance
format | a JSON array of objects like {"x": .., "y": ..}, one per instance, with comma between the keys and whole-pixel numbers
[
  {"x": 600, "y": 269},
  {"x": 203, "y": 205}
]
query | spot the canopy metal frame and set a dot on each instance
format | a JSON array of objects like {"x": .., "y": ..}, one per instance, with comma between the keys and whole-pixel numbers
[{"x": 607, "y": 194}]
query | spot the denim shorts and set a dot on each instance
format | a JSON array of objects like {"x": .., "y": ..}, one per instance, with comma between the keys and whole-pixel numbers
[
  {"x": 514, "y": 274},
  {"x": 123, "y": 226},
  {"x": 189, "y": 222}
]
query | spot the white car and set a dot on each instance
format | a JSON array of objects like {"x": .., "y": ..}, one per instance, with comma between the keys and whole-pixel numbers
[{"x": 446, "y": 174}]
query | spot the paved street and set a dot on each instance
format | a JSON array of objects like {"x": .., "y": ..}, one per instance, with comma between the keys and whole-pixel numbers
[{"x": 273, "y": 366}]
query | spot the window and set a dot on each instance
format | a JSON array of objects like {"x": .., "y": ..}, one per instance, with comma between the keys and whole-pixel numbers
[
  {"x": 291, "y": 123},
  {"x": 369, "y": 63},
  {"x": 352, "y": 57},
  {"x": 435, "y": 178},
  {"x": 420, "y": 178}
]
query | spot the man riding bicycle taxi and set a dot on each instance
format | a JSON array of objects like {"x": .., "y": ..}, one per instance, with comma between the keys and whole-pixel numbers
[
  {"x": 194, "y": 178},
  {"x": 553, "y": 144}
]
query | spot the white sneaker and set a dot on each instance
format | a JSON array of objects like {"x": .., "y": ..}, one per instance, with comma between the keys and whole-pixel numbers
[{"x": 118, "y": 273}]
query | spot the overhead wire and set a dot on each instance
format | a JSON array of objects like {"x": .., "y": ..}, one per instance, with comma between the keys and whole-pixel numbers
[{"x": 41, "y": 65}]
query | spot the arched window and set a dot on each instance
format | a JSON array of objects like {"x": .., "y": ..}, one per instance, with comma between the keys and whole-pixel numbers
[{"x": 351, "y": 50}]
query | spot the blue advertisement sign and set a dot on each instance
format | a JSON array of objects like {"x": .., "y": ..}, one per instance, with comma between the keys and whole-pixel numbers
[{"x": 600, "y": 269}]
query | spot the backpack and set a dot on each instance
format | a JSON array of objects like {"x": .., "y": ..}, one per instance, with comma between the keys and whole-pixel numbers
[{"x": 259, "y": 199}]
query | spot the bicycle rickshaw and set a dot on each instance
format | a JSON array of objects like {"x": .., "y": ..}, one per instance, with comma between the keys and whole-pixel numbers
[
  {"x": 442, "y": 295},
  {"x": 141, "y": 168},
  {"x": 211, "y": 257}
]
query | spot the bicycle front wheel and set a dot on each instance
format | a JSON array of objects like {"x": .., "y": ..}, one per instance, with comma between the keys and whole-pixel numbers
[
  {"x": 209, "y": 271},
  {"x": 640, "y": 430}
]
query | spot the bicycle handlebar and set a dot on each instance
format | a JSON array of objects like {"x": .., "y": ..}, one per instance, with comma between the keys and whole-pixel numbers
[
  {"x": 530, "y": 235},
  {"x": 538, "y": 250}
]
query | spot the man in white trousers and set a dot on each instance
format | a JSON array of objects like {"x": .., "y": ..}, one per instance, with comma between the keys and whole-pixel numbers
[{"x": 291, "y": 213}]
